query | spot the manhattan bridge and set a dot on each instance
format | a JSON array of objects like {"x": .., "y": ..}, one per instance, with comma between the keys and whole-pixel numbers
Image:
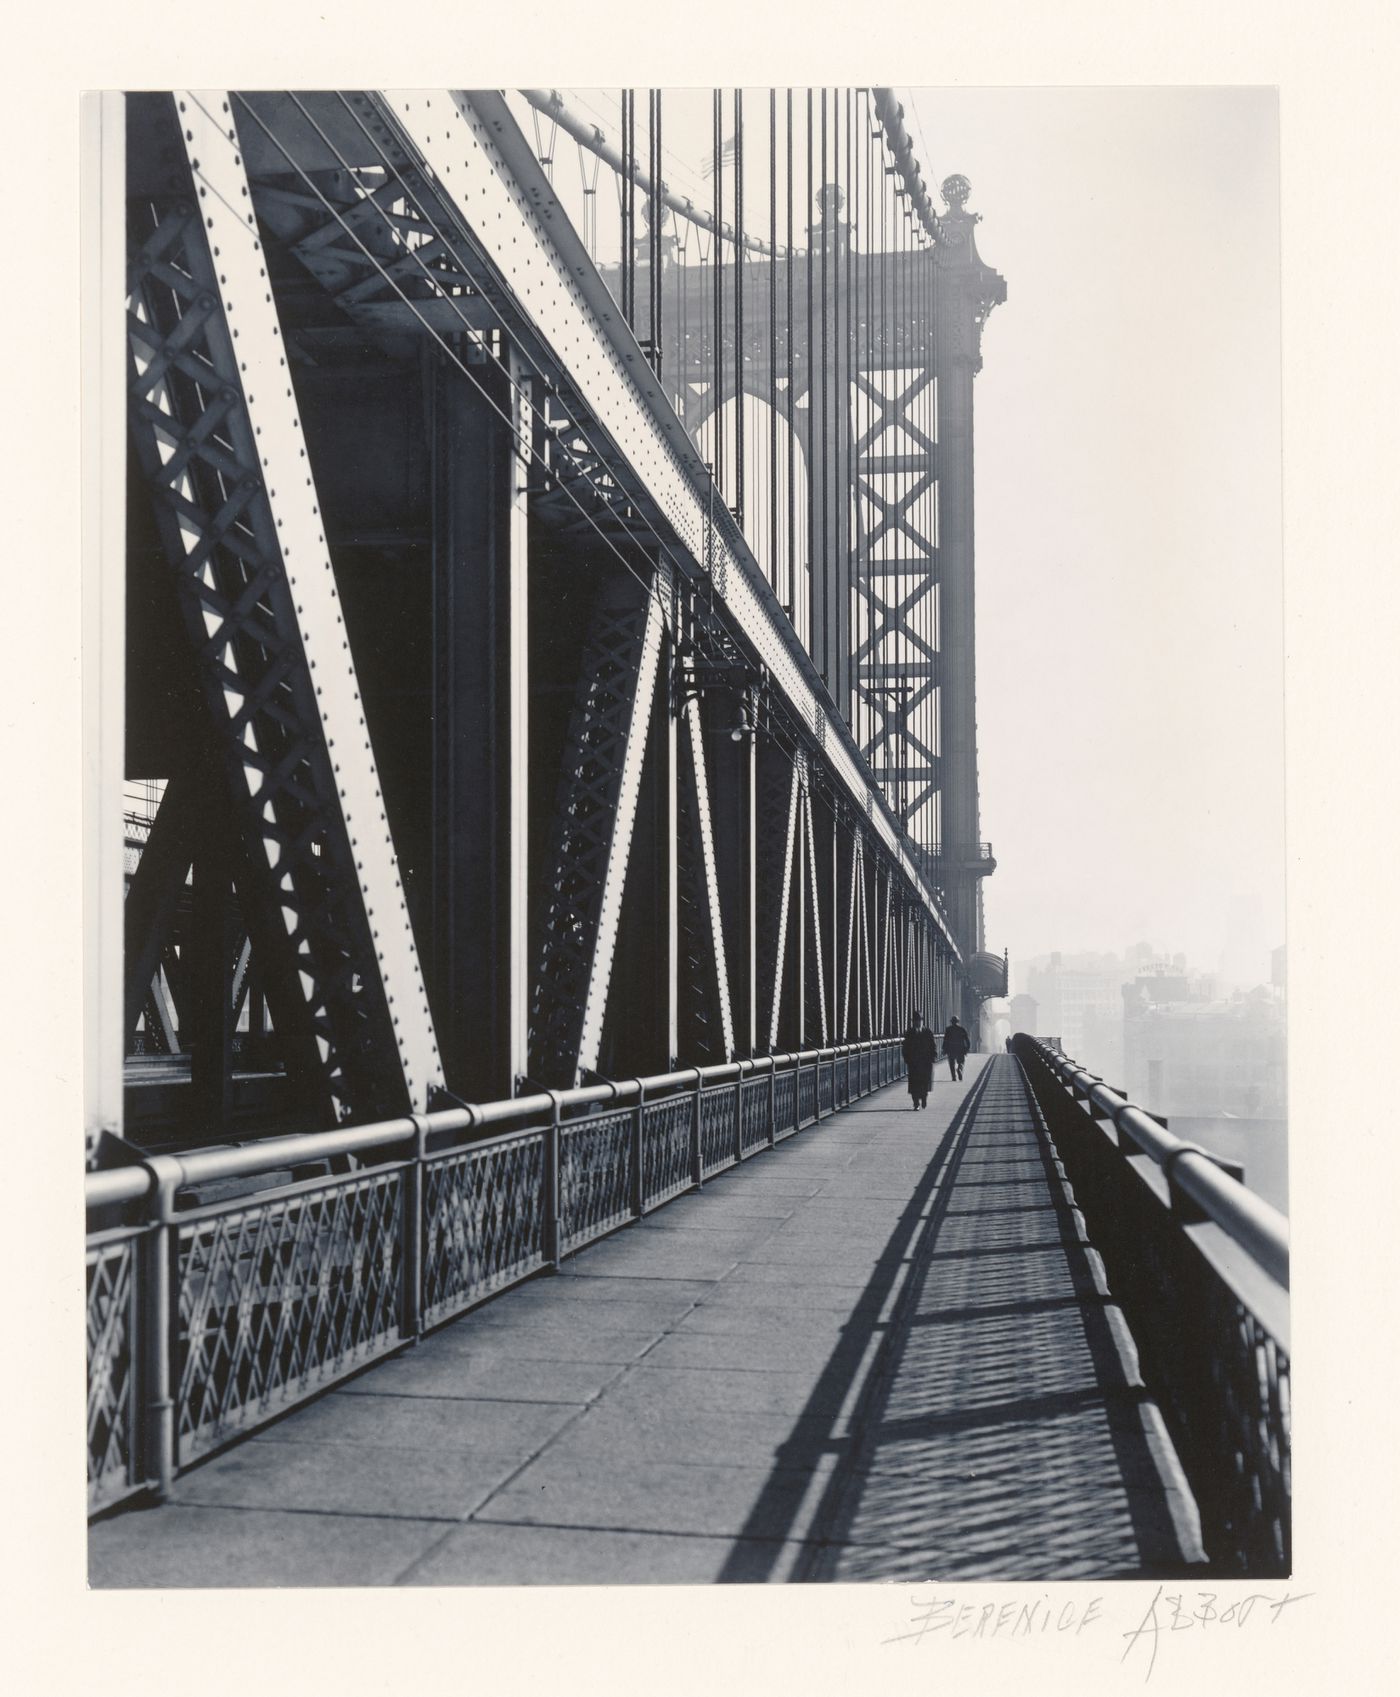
[{"x": 534, "y": 783}]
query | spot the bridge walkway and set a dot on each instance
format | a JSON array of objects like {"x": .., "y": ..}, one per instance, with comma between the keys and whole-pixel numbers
[{"x": 882, "y": 1350}]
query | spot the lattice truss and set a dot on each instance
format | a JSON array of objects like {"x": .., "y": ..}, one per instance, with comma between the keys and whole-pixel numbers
[
  {"x": 706, "y": 1017},
  {"x": 896, "y": 671},
  {"x": 303, "y": 893},
  {"x": 595, "y": 808}
]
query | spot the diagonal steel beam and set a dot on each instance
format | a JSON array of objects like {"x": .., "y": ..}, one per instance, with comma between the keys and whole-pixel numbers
[
  {"x": 594, "y": 815},
  {"x": 217, "y": 430},
  {"x": 813, "y": 891},
  {"x": 790, "y": 850},
  {"x": 700, "y": 795}
]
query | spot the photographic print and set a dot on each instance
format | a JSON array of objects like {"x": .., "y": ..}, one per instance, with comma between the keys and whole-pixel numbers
[{"x": 686, "y": 977}]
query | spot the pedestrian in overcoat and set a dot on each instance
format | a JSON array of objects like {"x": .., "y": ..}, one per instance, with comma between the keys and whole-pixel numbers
[
  {"x": 956, "y": 1044},
  {"x": 919, "y": 1051}
]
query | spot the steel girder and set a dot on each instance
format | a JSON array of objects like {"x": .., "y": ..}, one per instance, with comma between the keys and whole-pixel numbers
[
  {"x": 217, "y": 432},
  {"x": 595, "y": 810}
]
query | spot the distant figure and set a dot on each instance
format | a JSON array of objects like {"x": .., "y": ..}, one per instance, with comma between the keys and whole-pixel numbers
[
  {"x": 956, "y": 1043},
  {"x": 1008, "y": 1045},
  {"x": 918, "y": 1058}
]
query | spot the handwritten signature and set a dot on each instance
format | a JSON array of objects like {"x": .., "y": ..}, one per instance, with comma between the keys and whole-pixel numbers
[
  {"x": 992, "y": 1620},
  {"x": 1168, "y": 1612},
  {"x": 1174, "y": 1612}
]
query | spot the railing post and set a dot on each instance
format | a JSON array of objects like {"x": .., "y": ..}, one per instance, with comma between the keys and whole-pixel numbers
[
  {"x": 158, "y": 1411},
  {"x": 553, "y": 1223},
  {"x": 817, "y": 1088},
  {"x": 412, "y": 1233},
  {"x": 638, "y": 1180},
  {"x": 772, "y": 1101},
  {"x": 739, "y": 1116},
  {"x": 697, "y": 1153}
]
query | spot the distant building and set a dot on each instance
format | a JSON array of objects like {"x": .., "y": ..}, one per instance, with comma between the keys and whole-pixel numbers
[
  {"x": 1198, "y": 1056},
  {"x": 1025, "y": 1011},
  {"x": 1079, "y": 1000}
]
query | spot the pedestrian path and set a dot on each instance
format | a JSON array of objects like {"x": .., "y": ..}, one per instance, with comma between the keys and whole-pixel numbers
[{"x": 882, "y": 1350}]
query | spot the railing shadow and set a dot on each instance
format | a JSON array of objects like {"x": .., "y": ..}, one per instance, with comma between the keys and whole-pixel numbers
[
  {"x": 772, "y": 1515},
  {"x": 1001, "y": 1437}
]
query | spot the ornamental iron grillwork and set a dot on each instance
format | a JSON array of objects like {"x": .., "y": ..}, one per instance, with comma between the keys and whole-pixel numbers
[
  {"x": 756, "y": 1092},
  {"x": 111, "y": 1370},
  {"x": 280, "y": 1298},
  {"x": 666, "y": 1149},
  {"x": 717, "y": 1128},
  {"x": 595, "y": 1178},
  {"x": 785, "y": 1106},
  {"x": 483, "y": 1222}
]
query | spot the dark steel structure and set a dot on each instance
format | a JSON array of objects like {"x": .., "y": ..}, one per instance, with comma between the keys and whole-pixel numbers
[{"x": 500, "y": 739}]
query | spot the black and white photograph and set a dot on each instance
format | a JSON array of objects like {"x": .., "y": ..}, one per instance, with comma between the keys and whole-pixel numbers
[
  {"x": 718, "y": 933},
  {"x": 577, "y": 1111}
]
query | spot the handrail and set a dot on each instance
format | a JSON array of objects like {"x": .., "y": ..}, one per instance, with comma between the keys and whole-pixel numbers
[
  {"x": 522, "y": 1114},
  {"x": 1259, "y": 1229},
  {"x": 341, "y": 1268}
]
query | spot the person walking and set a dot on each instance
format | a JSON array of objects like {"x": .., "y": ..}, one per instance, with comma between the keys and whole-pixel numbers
[
  {"x": 918, "y": 1059},
  {"x": 956, "y": 1044}
]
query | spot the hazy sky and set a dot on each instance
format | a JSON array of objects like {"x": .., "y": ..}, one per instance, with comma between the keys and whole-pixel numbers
[{"x": 1130, "y": 678}]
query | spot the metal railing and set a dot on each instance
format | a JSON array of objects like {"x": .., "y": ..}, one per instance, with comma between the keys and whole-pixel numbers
[
  {"x": 208, "y": 1318},
  {"x": 1199, "y": 1265}
]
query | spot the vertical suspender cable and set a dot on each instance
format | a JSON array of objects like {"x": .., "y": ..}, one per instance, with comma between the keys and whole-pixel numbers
[
  {"x": 790, "y": 322},
  {"x": 825, "y": 516},
  {"x": 739, "y": 304},
  {"x": 773, "y": 341},
  {"x": 629, "y": 144},
  {"x": 812, "y": 442},
  {"x": 847, "y": 444},
  {"x": 718, "y": 397},
  {"x": 656, "y": 209}
]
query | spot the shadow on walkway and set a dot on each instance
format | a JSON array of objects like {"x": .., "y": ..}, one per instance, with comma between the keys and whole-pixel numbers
[{"x": 1006, "y": 1434}]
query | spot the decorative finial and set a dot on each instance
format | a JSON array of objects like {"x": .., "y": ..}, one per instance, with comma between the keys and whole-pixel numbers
[
  {"x": 830, "y": 198},
  {"x": 955, "y": 191}
]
